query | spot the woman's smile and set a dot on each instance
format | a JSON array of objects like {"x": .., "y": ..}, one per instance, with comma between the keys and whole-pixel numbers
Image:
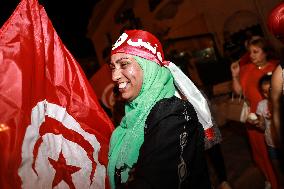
[{"x": 127, "y": 75}]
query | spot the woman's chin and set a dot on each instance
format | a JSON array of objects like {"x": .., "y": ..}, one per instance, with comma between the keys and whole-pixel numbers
[{"x": 125, "y": 96}]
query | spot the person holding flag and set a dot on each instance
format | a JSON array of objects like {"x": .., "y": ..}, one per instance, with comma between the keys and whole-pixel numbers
[
  {"x": 53, "y": 132},
  {"x": 160, "y": 140}
]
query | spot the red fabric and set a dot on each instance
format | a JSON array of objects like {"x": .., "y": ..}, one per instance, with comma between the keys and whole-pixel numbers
[
  {"x": 249, "y": 77},
  {"x": 275, "y": 21},
  {"x": 140, "y": 43},
  {"x": 209, "y": 133},
  {"x": 103, "y": 85},
  {"x": 245, "y": 59},
  {"x": 52, "y": 130}
]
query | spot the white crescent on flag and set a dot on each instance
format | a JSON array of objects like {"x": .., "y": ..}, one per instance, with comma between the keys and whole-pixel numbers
[{"x": 38, "y": 172}]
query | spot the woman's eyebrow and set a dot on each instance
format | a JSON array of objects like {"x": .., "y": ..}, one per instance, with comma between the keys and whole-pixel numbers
[{"x": 120, "y": 59}]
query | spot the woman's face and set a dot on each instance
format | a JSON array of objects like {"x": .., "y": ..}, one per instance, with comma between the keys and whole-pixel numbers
[
  {"x": 257, "y": 55},
  {"x": 127, "y": 75}
]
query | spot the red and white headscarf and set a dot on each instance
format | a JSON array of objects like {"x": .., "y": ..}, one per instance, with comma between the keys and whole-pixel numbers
[{"x": 146, "y": 45}]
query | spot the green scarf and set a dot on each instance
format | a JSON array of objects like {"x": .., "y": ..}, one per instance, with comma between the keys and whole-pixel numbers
[{"x": 128, "y": 137}]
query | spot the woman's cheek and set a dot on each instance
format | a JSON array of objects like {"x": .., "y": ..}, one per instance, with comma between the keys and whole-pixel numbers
[{"x": 131, "y": 71}]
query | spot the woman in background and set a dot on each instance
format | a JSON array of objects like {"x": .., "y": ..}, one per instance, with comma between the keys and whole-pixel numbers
[
  {"x": 275, "y": 24},
  {"x": 245, "y": 81}
]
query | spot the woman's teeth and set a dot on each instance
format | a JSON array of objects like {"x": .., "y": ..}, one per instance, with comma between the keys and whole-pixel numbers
[{"x": 122, "y": 85}]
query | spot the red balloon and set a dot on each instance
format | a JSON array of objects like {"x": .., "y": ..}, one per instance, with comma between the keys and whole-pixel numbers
[{"x": 276, "y": 21}]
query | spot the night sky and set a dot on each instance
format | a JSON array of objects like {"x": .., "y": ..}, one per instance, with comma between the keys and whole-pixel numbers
[{"x": 70, "y": 19}]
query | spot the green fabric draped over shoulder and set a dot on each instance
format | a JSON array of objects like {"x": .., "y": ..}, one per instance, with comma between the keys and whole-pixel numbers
[{"x": 128, "y": 137}]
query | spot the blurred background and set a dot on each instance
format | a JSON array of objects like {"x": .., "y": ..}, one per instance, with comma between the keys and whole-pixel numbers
[
  {"x": 70, "y": 19},
  {"x": 202, "y": 37}
]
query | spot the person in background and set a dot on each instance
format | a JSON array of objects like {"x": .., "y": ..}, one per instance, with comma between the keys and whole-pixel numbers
[
  {"x": 277, "y": 98},
  {"x": 264, "y": 115},
  {"x": 160, "y": 140},
  {"x": 245, "y": 58},
  {"x": 245, "y": 81},
  {"x": 275, "y": 24}
]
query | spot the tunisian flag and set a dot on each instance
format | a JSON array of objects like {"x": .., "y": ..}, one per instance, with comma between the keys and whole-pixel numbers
[
  {"x": 103, "y": 86},
  {"x": 53, "y": 132}
]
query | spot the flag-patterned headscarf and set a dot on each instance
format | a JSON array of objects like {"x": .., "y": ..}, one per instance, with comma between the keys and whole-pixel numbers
[{"x": 160, "y": 78}]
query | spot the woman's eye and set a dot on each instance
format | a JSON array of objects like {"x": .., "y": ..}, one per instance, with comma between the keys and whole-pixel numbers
[
  {"x": 124, "y": 64},
  {"x": 112, "y": 67}
]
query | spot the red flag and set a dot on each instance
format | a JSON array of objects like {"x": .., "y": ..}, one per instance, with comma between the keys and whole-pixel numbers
[
  {"x": 103, "y": 86},
  {"x": 53, "y": 132}
]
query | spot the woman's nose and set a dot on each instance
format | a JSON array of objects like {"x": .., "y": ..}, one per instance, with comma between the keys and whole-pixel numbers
[{"x": 116, "y": 74}]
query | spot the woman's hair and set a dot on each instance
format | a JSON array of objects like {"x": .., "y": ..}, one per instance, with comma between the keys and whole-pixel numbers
[{"x": 264, "y": 45}]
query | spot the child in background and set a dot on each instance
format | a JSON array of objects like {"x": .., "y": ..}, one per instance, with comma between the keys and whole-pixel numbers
[{"x": 263, "y": 112}]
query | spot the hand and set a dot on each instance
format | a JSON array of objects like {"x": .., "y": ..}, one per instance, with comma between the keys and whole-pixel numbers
[
  {"x": 268, "y": 115},
  {"x": 258, "y": 123},
  {"x": 253, "y": 121},
  {"x": 261, "y": 122},
  {"x": 235, "y": 69}
]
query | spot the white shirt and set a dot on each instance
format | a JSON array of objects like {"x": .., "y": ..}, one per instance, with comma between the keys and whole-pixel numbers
[{"x": 263, "y": 110}]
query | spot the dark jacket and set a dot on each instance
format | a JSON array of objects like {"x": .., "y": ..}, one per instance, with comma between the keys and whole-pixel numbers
[{"x": 173, "y": 135}]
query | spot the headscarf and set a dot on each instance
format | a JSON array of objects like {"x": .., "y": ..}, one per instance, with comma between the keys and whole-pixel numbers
[
  {"x": 129, "y": 136},
  {"x": 127, "y": 139}
]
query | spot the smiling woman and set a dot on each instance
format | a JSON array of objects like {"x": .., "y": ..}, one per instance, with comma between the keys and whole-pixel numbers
[
  {"x": 127, "y": 74},
  {"x": 160, "y": 140}
]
